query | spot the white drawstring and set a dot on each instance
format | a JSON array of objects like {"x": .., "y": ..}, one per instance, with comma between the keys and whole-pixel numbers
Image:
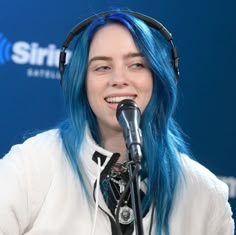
[{"x": 96, "y": 195}]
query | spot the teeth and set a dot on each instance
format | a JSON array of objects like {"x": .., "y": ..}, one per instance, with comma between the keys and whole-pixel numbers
[{"x": 117, "y": 99}]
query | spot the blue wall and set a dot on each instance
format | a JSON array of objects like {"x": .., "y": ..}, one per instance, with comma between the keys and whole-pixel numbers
[{"x": 204, "y": 32}]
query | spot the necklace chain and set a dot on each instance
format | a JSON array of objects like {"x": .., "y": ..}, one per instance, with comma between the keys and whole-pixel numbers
[{"x": 117, "y": 181}]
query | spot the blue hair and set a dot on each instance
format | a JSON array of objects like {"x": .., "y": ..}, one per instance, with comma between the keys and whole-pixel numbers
[{"x": 162, "y": 138}]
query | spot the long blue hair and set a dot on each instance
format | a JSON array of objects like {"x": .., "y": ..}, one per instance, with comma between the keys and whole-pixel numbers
[{"x": 162, "y": 138}]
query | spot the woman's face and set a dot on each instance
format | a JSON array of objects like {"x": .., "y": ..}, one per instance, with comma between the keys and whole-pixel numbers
[{"x": 116, "y": 71}]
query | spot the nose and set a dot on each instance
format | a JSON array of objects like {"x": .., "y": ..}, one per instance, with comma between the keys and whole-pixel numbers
[{"x": 118, "y": 78}]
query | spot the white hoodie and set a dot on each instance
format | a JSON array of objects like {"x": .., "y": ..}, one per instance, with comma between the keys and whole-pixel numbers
[{"x": 40, "y": 194}]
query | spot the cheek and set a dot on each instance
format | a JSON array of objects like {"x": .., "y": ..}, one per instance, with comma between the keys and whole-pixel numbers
[
  {"x": 93, "y": 90},
  {"x": 93, "y": 84},
  {"x": 147, "y": 87},
  {"x": 89, "y": 90},
  {"x": 90, "y": 86}
]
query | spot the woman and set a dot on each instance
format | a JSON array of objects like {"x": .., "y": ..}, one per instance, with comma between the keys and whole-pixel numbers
[{"x": 51, "y": 177}]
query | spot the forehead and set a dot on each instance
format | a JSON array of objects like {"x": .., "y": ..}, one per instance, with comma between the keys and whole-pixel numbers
[{"x": 112, "y": 38}]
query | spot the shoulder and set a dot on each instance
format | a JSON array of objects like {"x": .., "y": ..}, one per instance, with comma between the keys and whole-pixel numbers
[
  {"x": 199, "y": 177},
  {"x": 205, "y": 194},
  {"x": 45, "y": 142},
  {"x": 46, "y": 138},
  {"x": 43, "y": 152},
  {"x": 202, "y": 199},
  {"x": 30, "y": 170},
  {"x": 40, "y": 153}
]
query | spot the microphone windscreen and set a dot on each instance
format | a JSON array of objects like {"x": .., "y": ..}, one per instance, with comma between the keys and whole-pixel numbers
[{"x": 125, "y": 105}]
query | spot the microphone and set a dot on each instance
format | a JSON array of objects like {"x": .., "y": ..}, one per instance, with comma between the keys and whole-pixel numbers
[{"x": 128, "y": 115}]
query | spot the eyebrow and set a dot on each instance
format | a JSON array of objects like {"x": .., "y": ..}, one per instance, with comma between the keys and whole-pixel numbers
[{"x": 107, "y": 58}]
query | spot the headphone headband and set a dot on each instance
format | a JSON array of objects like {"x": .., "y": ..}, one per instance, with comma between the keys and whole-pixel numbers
[{"x": 148, "y": 20}]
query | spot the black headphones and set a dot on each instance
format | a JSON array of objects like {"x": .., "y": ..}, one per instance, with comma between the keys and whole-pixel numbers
[{"x": 148, "y": 20}]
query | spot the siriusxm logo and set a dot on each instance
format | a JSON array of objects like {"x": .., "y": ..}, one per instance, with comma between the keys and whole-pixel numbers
[
  {"x": 22, "y": 52},
  {"x": 5, "y": 49}
]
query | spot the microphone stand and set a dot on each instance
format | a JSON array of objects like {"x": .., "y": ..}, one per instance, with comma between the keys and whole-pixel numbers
[
  {"x": 128, "y": 114},
  {"x": 135, "y": 156}
]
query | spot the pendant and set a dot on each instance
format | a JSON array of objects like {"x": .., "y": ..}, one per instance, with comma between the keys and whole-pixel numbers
[{"x": 126, "y": 215}]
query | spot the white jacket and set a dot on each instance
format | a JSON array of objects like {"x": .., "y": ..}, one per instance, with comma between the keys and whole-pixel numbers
[{"x": 40, "y": 194}]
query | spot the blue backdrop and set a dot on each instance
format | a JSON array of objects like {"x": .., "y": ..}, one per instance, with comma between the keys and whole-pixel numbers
[{"x": 31, "y": 33}]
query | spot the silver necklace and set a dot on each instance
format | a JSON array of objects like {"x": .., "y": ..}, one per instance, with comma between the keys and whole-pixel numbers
[{"x": 126, "y": 214}]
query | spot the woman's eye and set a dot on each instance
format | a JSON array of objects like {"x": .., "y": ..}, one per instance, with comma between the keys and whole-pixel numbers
[
  {"x": 137, "y": 66},
  {"x": 102, "y": 68}
]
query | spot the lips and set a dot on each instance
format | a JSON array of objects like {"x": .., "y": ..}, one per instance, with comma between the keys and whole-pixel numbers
[{"x": 117, "y": 99}]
